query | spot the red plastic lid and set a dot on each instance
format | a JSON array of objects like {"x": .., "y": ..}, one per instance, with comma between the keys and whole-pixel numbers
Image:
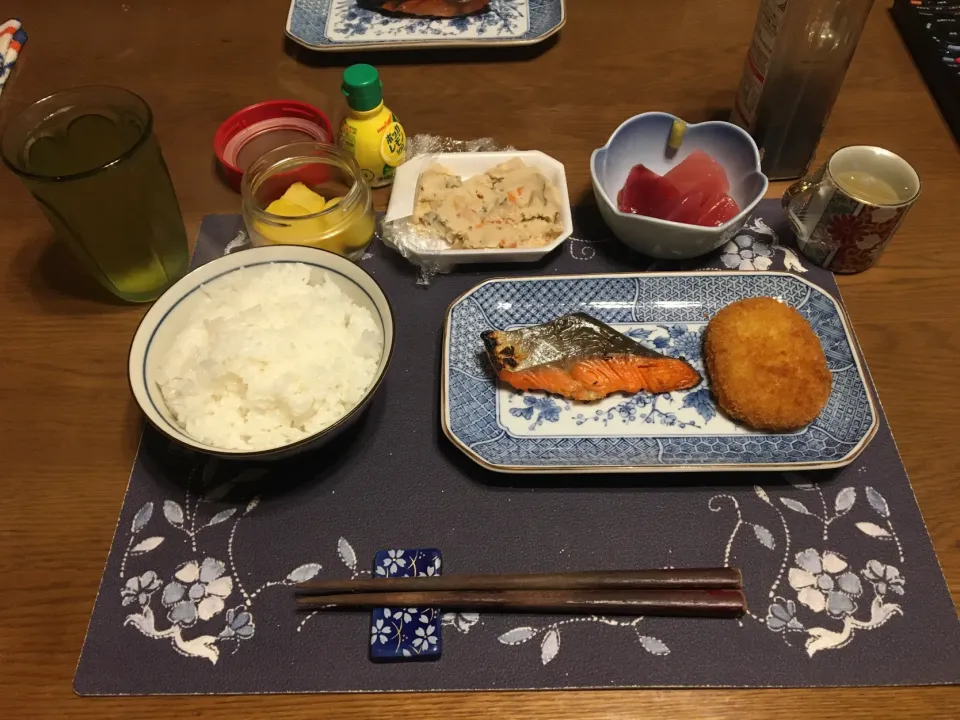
[{"x": 249, "y": 133}]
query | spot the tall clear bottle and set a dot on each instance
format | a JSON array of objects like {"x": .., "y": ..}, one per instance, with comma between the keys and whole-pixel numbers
[{"x": 799, "y": 55}]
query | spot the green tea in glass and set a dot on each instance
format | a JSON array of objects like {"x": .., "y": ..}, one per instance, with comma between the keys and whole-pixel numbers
[{"x": 89, "y": 157}]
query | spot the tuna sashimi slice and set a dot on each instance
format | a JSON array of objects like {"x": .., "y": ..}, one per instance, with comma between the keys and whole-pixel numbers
[
  {"x": 689, "y": 209},
  {"x": 646, "y": 193},
  {"x": 718, "y": 210},
  {"x": 699, "y": 171}
]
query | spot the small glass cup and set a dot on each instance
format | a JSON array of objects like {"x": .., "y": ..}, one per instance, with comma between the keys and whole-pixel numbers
[
  {"x": 89, "y": 157},
  {"x": 345, "y": 225}
]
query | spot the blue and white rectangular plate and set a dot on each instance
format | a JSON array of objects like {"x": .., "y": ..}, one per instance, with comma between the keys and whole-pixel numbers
[
  {"x": 342, "y": 25},
  {"x": 525, "y": 432}
]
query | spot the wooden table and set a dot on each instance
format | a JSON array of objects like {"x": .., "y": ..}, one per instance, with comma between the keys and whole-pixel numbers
[{"x": 69, "y": 429}]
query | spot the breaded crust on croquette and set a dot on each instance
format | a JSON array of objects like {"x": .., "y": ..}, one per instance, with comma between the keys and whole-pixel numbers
[{"x": 766, "y": 366}]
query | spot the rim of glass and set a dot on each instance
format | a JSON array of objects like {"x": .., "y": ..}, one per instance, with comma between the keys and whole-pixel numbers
[
  {"x": 144, "y": 134},
  {"x": 266, "y": 165}
]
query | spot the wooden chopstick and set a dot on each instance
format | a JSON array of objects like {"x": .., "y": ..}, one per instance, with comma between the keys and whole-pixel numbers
[
  {"x": 695, "y": 578},
  {"x": 722, "y": 603}
]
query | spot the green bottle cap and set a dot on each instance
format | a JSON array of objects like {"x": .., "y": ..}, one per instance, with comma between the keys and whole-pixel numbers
[{"x": 362, "y": 87}]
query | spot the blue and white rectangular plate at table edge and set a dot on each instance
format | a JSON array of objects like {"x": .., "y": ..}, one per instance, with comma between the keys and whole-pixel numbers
[
  {"x": 343, "y": 26},
  {"x": 508, "y": 431}
]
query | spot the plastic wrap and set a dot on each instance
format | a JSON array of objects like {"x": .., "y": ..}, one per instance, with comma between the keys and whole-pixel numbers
[{"x": 406, "y": 238}]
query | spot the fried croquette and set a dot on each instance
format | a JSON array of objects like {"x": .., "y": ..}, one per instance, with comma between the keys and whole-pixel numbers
[{"x": 766, "y": 366}]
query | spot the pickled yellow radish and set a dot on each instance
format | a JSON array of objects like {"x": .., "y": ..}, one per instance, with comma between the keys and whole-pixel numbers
[
  {"x": 298, "y": 232},
  {"x": 359, "y": 232},
  {"x": 337, "y": 231},
  {"x": 300, "y": 194},
  {"x": 285, "y": 208}
]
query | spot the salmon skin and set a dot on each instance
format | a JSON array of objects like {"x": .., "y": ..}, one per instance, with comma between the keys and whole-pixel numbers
[
  {"x": 581, "y": 358},
  {"x": 427, "y": 8}
]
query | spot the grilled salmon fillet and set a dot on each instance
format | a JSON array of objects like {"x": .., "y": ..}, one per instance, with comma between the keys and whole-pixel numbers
[{"x": 581, "y": 358}]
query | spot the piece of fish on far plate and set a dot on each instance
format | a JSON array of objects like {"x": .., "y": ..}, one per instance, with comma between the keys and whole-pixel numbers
[
  {"x": 427, "y": 8},
  {"x": 581, "y": 358}
]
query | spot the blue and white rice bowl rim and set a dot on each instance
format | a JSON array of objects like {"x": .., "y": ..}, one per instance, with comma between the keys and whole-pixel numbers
[{"x": 170, "y": 313}]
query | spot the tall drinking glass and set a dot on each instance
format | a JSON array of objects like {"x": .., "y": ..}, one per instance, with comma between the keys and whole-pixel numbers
[{"x": 89, "y": 157}]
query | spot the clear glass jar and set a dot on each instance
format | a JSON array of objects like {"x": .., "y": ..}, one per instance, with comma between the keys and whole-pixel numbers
[{"x": 345, "y": 226}]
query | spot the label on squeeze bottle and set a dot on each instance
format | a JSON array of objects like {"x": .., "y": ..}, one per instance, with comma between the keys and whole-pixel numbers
[{"x": 765, "y": 32}]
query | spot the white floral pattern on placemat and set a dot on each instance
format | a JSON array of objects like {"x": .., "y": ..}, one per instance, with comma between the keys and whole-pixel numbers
[
  {"x": 550, "y": 635},
  {"x": 825, "y": 600},
  {"x": 583, "y": 249},
  {"x": 822, "y": 594},
  {"x": 756, "y": 248},
  {"x": 191, "y": 611},
  {"x": 827, "y": 590}
]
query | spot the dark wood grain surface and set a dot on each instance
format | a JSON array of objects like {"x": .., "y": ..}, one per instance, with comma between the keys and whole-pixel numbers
[{"x": 68, "y": 428}]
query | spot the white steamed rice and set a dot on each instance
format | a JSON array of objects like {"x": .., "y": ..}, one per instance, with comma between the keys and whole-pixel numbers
[{"x": 269, "y": 356}]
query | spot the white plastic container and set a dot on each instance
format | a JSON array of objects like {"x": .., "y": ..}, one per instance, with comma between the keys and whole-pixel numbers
[{"x": 438, "y": 254}]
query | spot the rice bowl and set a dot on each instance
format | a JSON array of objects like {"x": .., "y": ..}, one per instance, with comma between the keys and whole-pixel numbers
[{"x": 263, "y": 353}]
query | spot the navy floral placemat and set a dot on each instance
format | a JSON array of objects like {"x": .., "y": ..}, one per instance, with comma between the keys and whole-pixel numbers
[{"x": 843, "y": 584}]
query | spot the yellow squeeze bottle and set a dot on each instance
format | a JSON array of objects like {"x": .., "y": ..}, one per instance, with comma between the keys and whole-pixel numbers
[{"x": 370, "y": 132}]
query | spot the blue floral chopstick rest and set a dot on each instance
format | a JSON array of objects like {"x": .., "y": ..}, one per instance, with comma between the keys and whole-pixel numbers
[{"x": 404, "y": 634}]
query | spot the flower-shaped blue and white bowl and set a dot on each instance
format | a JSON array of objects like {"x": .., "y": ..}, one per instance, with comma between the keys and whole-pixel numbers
[
  {"x": 643, "y": 139},
  {"x": 171, "y": 312}
]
